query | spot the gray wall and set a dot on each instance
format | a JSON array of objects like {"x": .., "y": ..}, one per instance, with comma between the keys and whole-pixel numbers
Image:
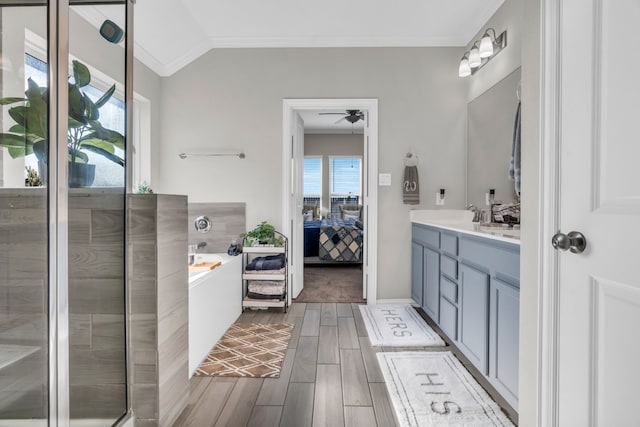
[
  {"x": 232, "y": 98},
  {"x": 327, "y": 145}
]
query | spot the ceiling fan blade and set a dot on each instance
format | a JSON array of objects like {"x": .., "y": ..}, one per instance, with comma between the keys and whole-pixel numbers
[{"x": 340, "y": 120}]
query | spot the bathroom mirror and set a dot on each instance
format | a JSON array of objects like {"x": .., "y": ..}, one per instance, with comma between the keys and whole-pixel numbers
[{"x": 490, "y": 123}]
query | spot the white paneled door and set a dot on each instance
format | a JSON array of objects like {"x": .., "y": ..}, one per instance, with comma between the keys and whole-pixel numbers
[
  {"x": 598, "y": 345},
  {"x": 297, "y": 196}
]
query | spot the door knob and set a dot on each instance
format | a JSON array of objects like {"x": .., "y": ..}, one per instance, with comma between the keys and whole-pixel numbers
[{"x": 574, "y": 242}]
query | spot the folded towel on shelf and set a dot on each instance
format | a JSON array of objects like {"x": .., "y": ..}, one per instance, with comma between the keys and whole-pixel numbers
[
  {"x": 272, "y": 262},
  {"x": 266, "y": 287},
  {"x": 411, "y": 186},
  {"x": 274, "y": 272},
  {"x": 514, "y": 164}
]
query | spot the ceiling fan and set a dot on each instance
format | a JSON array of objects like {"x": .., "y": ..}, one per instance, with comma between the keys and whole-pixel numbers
[{"x": 351, "y": 116}]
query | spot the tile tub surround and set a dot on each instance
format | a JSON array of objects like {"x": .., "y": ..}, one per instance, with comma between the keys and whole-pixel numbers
[
  {"x": 461, "y": 221},
  {"x": 158, "y": 286},
  {"x": 228, "y": 223}
]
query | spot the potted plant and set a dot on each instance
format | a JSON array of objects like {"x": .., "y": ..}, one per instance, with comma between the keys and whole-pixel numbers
[
  {"x": 263, "y": 234},
  {"x": 84, "y": 133}
]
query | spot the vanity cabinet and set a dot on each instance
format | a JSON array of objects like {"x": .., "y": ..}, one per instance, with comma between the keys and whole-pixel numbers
[
  {"x": 416, "y": 272},
  {"x": 474, "y": 316},
  {"x": 470, "y": 288},
  {"x": 426, "y": 271}
]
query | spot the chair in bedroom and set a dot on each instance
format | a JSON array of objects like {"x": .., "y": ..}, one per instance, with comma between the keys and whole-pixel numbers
[
  {"x": 350, "y": 211},
  {"x": 311, "y": 212}
]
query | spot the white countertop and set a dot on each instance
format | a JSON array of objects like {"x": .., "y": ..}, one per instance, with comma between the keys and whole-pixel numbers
[{"x": 461, "y": 221}]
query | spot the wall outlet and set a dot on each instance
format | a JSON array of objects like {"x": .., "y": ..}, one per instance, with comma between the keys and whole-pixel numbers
[{"x": 439, "y": 199}]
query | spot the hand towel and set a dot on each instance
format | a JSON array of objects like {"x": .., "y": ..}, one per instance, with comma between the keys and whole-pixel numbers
[
  {"x": 411, "y": 186},
  {"x": 514, "y": 164}
]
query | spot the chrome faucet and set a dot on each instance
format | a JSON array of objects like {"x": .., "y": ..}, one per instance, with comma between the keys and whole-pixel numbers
[
  {"x": 192, "y": 250},
  {"x": 476, "y": 212}
]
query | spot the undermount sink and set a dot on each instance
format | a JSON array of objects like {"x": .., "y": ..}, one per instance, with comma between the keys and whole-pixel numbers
[{"x": 498, "y": 225}]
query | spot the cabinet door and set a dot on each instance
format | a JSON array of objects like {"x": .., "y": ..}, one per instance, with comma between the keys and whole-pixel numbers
[
  {"x": 416, "y": 273},
  {"x": 504, "y": 339},
  {"x": 474, "y": 316},
  {"x": 431, "y": 280}
]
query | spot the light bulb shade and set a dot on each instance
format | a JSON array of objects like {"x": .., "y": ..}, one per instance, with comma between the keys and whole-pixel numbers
[
  {"x": 486, "y": 47},
  {"x": 465, "y": 69},
  {"x": 474, "y": 58}
]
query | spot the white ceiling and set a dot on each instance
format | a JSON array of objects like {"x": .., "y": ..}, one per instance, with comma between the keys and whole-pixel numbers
[
  {"x": 316, "y": 123},
  {"x": 172, "y": 33}
]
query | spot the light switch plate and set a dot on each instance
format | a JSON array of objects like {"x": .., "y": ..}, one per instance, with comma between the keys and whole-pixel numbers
[{"x": 384, "y": 179}]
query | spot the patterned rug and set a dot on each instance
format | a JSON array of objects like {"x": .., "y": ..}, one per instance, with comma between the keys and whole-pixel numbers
[{"x": 254, "y": 350}]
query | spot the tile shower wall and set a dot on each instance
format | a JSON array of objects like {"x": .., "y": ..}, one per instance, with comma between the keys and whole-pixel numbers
[
  {"x": 23, "y": 296},
  {"x": 96, "y": 303},
  {"x": 158, "y": 286},
  {"x": 228, "y": 224}
]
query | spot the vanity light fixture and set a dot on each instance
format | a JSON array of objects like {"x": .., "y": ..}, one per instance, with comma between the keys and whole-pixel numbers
[
  {"x": 474, "y": 56},
  {"x": 482, "y": 52},
  {"x": 465, "y": 69}
]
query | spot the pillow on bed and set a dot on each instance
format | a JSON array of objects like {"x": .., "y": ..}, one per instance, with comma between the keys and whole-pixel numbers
[
  {"x": 308, "y": 216},
  {"x": 352, "y": 210},
  {"x": 349, "y": 215}
]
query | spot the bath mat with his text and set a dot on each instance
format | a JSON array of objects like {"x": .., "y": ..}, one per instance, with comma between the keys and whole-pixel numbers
[
  {"x": 253, "y": 350},
  {"x": 434, "y": 389},
  {"x": 398, "y": 325}
]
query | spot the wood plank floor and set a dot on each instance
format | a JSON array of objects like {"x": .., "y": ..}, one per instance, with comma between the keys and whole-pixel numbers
[{"x": 330, "y": 377}]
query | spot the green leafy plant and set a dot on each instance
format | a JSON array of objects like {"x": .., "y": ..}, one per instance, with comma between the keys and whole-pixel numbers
[
  {"x": 144, "y": 188},
  {"x": 264, "y": 233},
  {"x": 85, "y": 132},
  {"x": 32, "y": 179}
]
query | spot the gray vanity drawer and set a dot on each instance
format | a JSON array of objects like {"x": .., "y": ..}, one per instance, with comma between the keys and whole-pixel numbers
[
  {"x": 426, "y": 236},
  {"x": 449, "y": 243},
  {"x": 499, "y": 258},
  {"x": 449, "y": 290},
  {"x": 449, "y": 319},
  {"x": 449, "y": 267}
]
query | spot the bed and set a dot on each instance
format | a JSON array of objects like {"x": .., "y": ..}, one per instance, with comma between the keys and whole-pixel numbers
[{"x": 333, "y": 240}]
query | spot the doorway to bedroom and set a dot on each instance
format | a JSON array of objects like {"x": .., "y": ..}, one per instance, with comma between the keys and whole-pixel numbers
[
  {"x": 331, "y": 147},
  {"x": 332, "y": 208}
]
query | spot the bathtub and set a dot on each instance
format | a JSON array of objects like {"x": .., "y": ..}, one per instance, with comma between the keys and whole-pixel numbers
[{"x": 215, "y": 302}]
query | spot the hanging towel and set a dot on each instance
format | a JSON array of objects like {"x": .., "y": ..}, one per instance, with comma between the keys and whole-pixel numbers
[
  {"x": 514, "y": 164},
  {"x": 411, "y": 186}
]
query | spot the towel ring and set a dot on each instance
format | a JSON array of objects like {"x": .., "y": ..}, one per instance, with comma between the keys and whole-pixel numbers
[{"x": 410, "y": 160}]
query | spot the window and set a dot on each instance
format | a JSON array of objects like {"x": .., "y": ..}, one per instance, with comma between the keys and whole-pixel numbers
[
  {"x": 112, "y": 116},
  {"x": 312, "y": 176},
  {"x": 345, "y": 181},
  {"x": 344, "y": 176}
]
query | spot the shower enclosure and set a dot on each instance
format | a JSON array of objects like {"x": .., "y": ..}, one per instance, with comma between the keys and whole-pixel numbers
[{"x": 65, "y": 84}]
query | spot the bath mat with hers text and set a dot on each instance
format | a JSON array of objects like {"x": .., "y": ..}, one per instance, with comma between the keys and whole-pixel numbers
[
  {"x": 432, "y": 388},
  {"x": 253, "y": 350},
  {"x": 398, "y": 325}
]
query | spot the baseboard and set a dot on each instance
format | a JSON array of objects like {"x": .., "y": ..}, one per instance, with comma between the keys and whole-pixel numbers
[{"x": 397, "y": 301}]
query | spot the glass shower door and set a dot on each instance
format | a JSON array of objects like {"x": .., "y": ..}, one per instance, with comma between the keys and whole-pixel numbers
[
  {"x": 96, "y": 202},
  {"x": 62, "y": 214},
  {"x": 24, "y": 243}
]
